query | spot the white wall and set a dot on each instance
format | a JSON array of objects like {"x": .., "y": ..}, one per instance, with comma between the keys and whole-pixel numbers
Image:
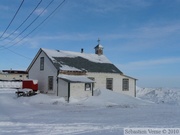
[
  {"x": 78, "y": 91},
  {"x": 42, "y": 76},
  {"x": 63, "y": 89},
  {"x": 100, "y": 79},
  {"x": 12, "y": 76}
]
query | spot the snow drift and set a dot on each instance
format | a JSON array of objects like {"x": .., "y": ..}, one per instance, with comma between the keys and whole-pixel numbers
[
  {"x": 109, "y": 98},
  {"x": 101, "y": 98},
  {"x": 105, "y": 113},
  {"x": 160, "y": 95}
]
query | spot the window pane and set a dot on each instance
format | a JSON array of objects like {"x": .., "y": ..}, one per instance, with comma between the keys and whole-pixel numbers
[
  {"x": 42, "y": 63},
  {"x": 109, "y": 83},
  {"x": 125, "y": 84},
  {"x": 50, "y": 83},
  {"x": 87, "y": 86}
]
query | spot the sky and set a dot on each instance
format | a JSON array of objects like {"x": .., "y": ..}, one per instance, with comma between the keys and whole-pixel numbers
[{"x": 141, "y": 37}]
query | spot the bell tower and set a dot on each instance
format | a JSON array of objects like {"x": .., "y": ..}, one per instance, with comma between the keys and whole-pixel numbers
[{"x": 99, "y": 48}]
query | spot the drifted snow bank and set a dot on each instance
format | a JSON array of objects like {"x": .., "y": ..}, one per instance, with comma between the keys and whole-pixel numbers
[
  {"x": 109, "y": 98},
  {"x": 106, "y": 98},
  {"x": 160, "y": 95},
  {"x": 101, "y": 98}
]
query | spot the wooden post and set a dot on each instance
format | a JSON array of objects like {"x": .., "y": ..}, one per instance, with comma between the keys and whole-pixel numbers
[
  {"x": 92, "y": 89},
  {"x": 68, "y": 91},
  {"x": 57, "y": 86}
]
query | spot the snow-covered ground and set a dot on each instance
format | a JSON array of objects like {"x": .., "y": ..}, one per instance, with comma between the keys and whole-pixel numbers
[
  {"x": 105, "y": 113},
  {"x": 160, "y": 95}
]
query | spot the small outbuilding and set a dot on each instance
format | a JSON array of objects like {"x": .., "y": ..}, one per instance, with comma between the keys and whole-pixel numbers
[{"x": 71, "y": 85}]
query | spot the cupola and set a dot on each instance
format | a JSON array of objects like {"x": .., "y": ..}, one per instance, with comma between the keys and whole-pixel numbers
[{"x": 99, "y": 48}]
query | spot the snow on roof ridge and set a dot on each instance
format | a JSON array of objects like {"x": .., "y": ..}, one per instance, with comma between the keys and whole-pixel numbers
[
  {"x": 99, "y": 45},
  {"x": 91, "y": 57}
]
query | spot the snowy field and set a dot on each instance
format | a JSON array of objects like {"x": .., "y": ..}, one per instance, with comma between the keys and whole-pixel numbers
[{"x": 107, "y": 113}]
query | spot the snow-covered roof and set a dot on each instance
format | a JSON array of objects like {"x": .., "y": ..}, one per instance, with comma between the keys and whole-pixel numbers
[
  {"x": 69, "y": 68},
  {"x": 91, "y": 57},
  {"x": 3, "y": 73},
  {"x": 76, "y": 61},
  {"x": 75, "y": 79},
  {"x": 99, "y": 46},
  {"x": 13, "y": 72}
]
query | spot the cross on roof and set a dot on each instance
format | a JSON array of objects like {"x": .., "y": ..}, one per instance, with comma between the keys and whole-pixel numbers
[{"x": 98, "y": 41}]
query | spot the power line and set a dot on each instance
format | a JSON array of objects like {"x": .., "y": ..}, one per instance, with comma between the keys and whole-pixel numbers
[
  {"x": 12, "y": 19},
  {"x": 17, "y": 53},
  {"x": 7, "y": 48},
  {"x": 32, "y": 22},
  {"x": 27, "y": 26},
  {"x": 38, "y": 24},
  {"x": 44, "y": 20},
  {"x": 24, "y": 20}
]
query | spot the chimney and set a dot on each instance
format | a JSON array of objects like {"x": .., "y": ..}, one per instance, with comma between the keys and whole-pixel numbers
[{"x": 82, "y": 50}]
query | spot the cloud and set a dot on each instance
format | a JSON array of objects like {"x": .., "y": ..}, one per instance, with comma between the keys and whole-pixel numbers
[
  {"x": 156, "y": 62},
  {"x": 70, "y": 36},
  {"x": 148, "y": 31},
  {"x": 157, "y": 31},
  {"x": 40, "y": 11},
  {"x": 114, "y": 5},
  {"x": 150, "y": 63},
  {"x": 102, "y": 6},
  {"x": 145, "y": 37},
  {"x": 136, "y": 39}
]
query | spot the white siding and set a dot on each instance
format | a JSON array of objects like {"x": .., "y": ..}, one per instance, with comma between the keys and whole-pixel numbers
[
  {"x": 42, "y": 75},
  {"x": 63, "y": 89},
  {"x": 132, "y": 87},
  {"x": 11, "y": 76},
  {"x": 100, "y": 79},
  {"x": 78, "y": 91}
]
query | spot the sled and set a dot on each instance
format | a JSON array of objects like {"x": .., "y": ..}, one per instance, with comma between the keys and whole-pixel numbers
[{"x": 25, "y": 92}]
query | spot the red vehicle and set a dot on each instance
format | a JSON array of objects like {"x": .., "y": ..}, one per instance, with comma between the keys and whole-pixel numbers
[
  {"x": 30, "y": 84},
  {"x": 29, "y": 88}
]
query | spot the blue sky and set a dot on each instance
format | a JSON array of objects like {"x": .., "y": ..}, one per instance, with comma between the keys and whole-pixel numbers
[{"x": 141, "y": 37}]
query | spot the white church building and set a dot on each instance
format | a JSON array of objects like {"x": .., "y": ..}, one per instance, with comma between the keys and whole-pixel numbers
[{"x": 76, "y": 74}]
